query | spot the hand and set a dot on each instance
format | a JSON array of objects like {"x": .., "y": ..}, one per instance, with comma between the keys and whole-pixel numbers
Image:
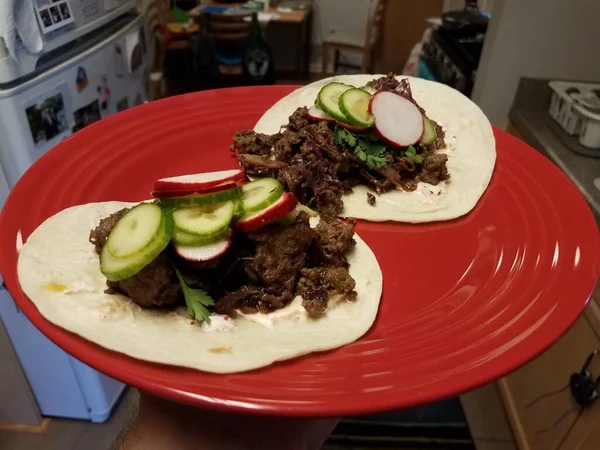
[{"x": 162, "y": 424}]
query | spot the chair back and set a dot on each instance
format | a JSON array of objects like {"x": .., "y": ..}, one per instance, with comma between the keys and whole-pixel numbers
[
  {"x": 231, "y": 28},
  {"x": 374, "y": 23}
]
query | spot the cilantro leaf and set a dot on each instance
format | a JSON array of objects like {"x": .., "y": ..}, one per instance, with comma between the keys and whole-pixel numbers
[
  {"x": 196, "y": 300},
  {"x": 411, "y": 153},
  {"x": 376, "y": 162},
  {"x": 366, "y": 148}
]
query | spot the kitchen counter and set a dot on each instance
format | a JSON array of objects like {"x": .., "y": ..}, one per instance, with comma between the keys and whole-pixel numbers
[{"x": 529, "y": 114}]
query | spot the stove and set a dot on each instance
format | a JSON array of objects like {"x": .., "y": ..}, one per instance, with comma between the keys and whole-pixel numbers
[{"x": 452, "y": 55}]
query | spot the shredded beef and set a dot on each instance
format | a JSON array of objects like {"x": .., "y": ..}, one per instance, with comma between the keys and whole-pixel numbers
[
  {"x": 388, "y": 82},
  {"x": 154, "y": 285},
  {"x": 334, "y": 280},
  {"x": 315, "y": 300},
  {"x": 247, "y": 141},
  {"x": 335, "y": 237},
  {"x": 260, "y": 166},
  {"x": 298, "y": 120},
  {"x": 281, "y": 252},
  {"x": 251, "y": 299},
  {"x": 99, "y": 234},
  {"x": 434, "y": 169},
  {"x": 371, "y": 199}
]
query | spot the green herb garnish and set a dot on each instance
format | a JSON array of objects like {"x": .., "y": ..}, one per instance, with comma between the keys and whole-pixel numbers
[
  {"x": 196, "y": 300},
  {"x": 411, "y": 153},
  {"x": 371, "y": 152}
]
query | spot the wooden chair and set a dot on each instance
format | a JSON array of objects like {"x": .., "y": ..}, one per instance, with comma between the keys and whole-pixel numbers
[
  {"x": 164, "y": 36},
  {"x": 230, "y": 33},
  {"x": 340, "y": 42}
]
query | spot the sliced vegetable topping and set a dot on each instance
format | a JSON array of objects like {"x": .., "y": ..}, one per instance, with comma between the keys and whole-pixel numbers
[
  {"x": 191, "y": 240},
  {"x": 203, "y": 252},
  {"x": 370, "y": 89},
  {"x": 202, "y": 199},
  {"x": 198, "y": 181},
  {"x": 397, "y": 120},
  {"x": 260, "y": 193},
  {"x": 135, "y": 231},
  {"x": 329, "y": 100},
  {"x": 429, "y": 133},
  {"x": 286, "y": 203},
  {"x": 119, "y": 268},
  {"x": 354, "y": 104},
  {"x": 317, "y": 114},
  {"x": 225, "y": 186},
  {"x": 204, "y": 220}
]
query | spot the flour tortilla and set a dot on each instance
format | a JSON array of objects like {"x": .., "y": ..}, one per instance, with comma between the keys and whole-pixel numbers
[
  {"x": 58, "y": 253},
  {"x": 471, "y": 153}
]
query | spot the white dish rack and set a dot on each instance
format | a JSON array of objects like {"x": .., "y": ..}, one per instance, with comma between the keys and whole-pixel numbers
[{"x": 576, "y": 107}]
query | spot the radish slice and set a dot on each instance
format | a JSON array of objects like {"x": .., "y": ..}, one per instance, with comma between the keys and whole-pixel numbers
[
  {"x": 353, "y": 128},
  {"x": 220, "y": 187},
  {"x": 397, "y": 121},
  {"x": 286, "y": 203},
  {"x": 197, "y": 182},
  {"x": 315, "y": 113},
  {"x": 203, "y": 252}
]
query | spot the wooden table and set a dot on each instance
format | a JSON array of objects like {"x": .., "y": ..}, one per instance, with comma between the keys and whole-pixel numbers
[{"x": 301, "y": 18}]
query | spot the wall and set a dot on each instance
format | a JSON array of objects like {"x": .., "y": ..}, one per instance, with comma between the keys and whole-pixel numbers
[
  {"x": 549, "y": 39},
  {"x": 328, "y": 16}
]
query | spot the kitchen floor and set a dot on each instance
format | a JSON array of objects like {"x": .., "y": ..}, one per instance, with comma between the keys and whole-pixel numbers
[{"x": 80, "y": 435}]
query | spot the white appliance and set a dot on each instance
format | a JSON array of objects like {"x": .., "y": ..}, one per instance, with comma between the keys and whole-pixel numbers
[
  {"x": 89, "y": 76},
  {"x": 93, "y": 65}
]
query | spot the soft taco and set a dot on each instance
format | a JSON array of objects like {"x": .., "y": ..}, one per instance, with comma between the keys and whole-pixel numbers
[
  {"x": 375, "y": 147},
  {"x": 212, "y": 275}
]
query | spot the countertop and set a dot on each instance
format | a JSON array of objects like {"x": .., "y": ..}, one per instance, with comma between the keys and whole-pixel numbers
[{"x": 529, "y": 114}]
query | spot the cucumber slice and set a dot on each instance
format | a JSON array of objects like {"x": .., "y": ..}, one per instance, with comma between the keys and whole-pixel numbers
[
  {"x": 204, "y": 220},
  {"x": 135, "y": 230},
  {"x": 119, "y": 268},
  {"x": 354, "y": 103},
  {"x": 238, "y": 208},
  {"x": 202, "y": 199},
  {"x": 329, "y": 99},
  {"x": 429, "y": 133},
  {"x": 260, "y": 194},
  {"x": 189, "y": 240},
  {"x": 370, "y": 89}
]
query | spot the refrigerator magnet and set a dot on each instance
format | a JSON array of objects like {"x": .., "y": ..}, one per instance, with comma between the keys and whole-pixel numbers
[
  {"x": 53, "y": 15},
  {"x": 104, "y": 92},
  {"x": 86, "y": 115},
  {"x": 47, "y": 114},
  {"x": 81, "y": 79}
]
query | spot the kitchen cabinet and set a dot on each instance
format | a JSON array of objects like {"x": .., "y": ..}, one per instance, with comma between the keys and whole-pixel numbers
[{"x": 536, "y": 397}]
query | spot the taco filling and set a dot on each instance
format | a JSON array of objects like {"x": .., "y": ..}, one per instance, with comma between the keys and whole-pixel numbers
[
  {"x": 376, "y": 136},
  {"x": 209, "y": 258}
]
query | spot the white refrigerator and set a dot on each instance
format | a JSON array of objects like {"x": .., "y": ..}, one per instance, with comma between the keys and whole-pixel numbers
[{"x": 93, "y": 64}]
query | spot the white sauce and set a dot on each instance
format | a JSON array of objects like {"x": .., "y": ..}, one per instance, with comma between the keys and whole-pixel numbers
[
  {"x": 293, "y": 311},
  {"x": 219, "y": 323}
]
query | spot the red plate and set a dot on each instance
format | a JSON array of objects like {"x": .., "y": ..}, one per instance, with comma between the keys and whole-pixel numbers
[{"x": 464, "y": 302}]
